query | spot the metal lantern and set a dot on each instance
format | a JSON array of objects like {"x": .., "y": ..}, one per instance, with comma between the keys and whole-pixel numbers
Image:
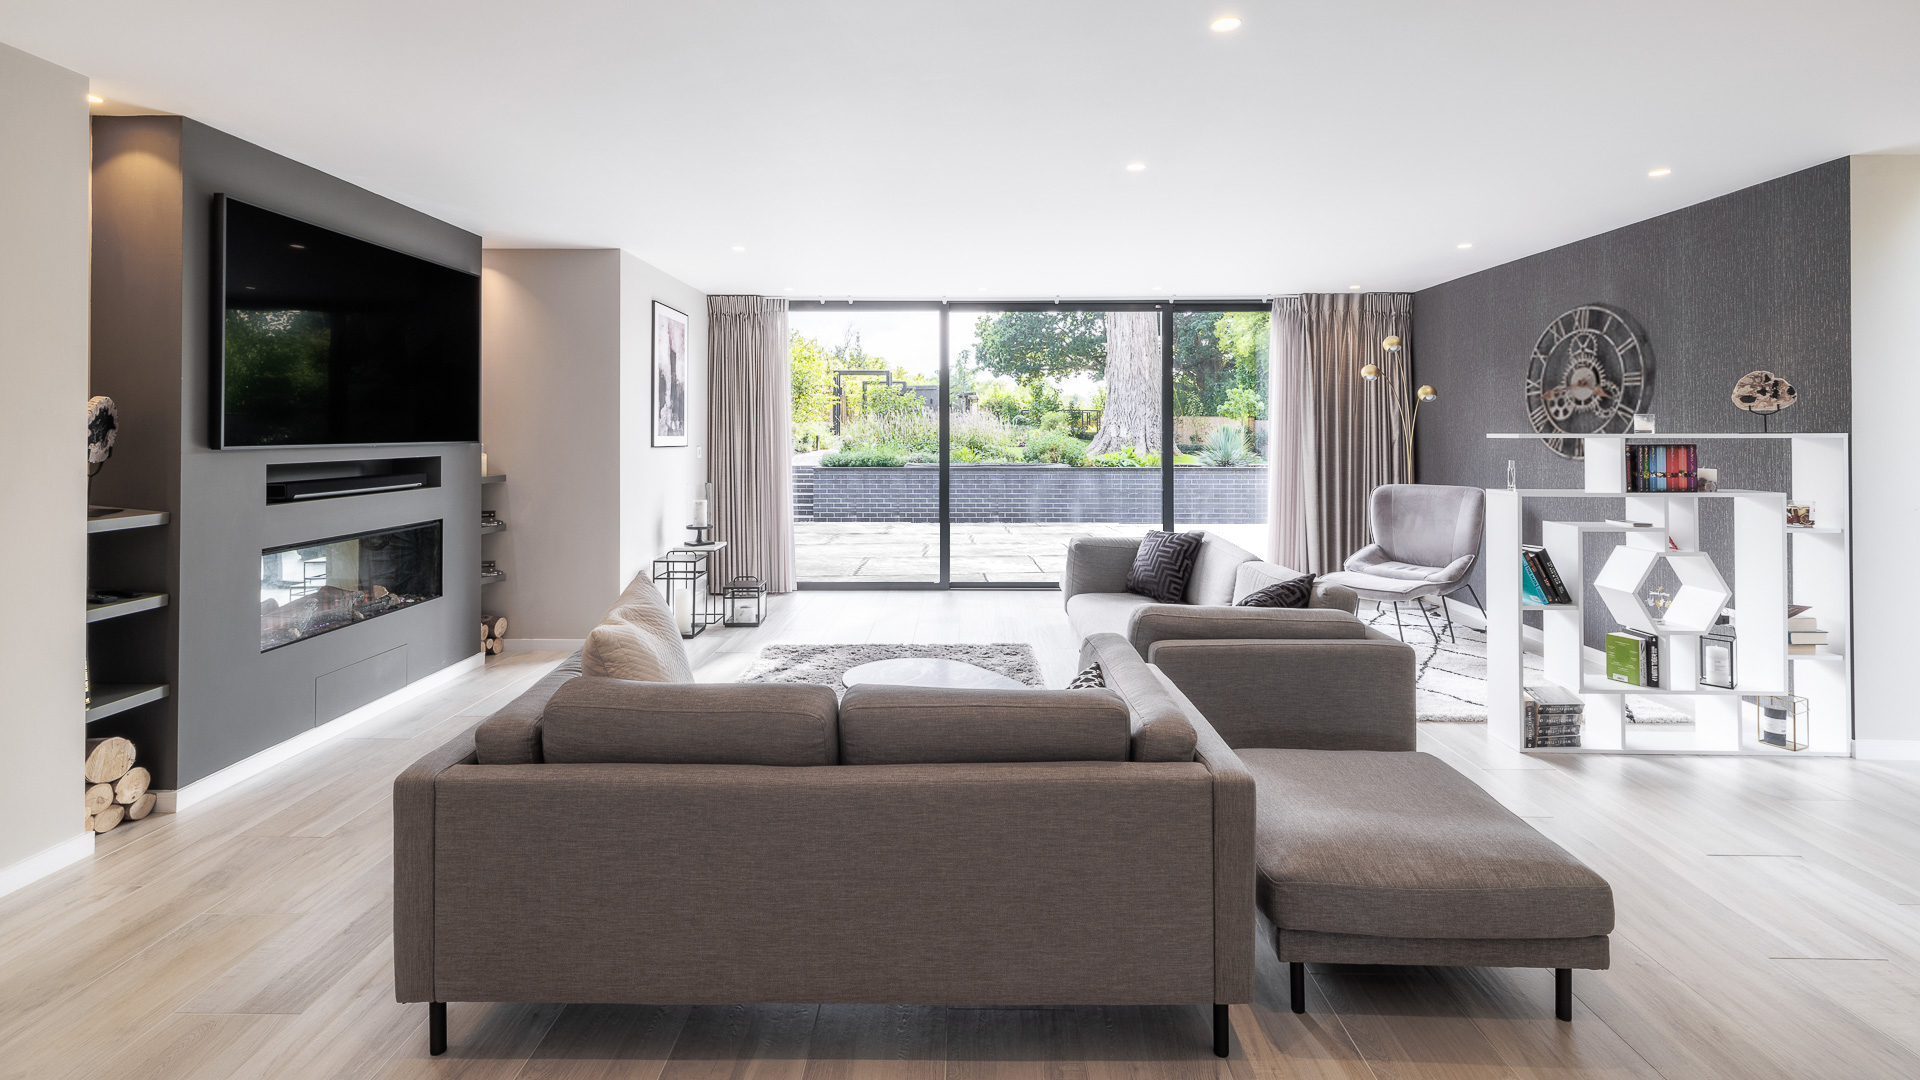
[
  {"x": 745, "y": 600},
  {"x": 1779, "y": 720},
  {"x": 682, "y": 576}
]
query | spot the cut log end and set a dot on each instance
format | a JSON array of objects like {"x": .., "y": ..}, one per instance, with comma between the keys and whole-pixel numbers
[
  {"x": 99, "y": 797},
  {"x": 108, "y": 759},
  {"x": 128, "y": 789},
  {"x": 108, "y": 818},
  {"x": 141, "y": 807}
]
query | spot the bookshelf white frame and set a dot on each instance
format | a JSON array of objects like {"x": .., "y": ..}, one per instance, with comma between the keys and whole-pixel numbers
[{"x": 1763, "y": 585}]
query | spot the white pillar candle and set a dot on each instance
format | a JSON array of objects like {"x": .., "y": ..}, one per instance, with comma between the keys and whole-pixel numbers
[
  {"x": 683, "y": 606},
  {"x": 700, "y": 512}
]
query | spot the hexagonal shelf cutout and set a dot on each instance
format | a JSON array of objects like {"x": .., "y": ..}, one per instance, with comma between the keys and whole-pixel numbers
[{"x": 1622, "y": 584}]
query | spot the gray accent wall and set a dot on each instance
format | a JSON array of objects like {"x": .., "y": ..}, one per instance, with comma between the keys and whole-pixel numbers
[
  {"x": 154, "y": 182},
  {"x": 1755, "y": 279}
]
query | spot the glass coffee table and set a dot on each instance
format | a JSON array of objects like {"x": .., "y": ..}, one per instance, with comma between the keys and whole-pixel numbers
[{"x": 928, "y": 671}]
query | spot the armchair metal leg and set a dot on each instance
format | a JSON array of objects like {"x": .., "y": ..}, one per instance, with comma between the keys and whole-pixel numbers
[
  {"x": 1427, "y": 615},
  {"x": 1476, "y": 599},
  {"x": 1297, "y": 986},
  {"x": 436, "y": 1027},
  {"x": 1563, "y": 993},
  {"x": 1397, "y": 628},
  {"x": 1222, "y": 1030}
]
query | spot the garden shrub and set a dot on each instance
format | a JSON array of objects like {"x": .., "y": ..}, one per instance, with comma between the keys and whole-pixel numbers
[
  {"x": 863, "y": 459},
  {"x": 1055, "y": 448}
]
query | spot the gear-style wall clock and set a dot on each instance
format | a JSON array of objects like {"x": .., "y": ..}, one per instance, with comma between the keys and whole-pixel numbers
[{"x": 1589, "y": 373}]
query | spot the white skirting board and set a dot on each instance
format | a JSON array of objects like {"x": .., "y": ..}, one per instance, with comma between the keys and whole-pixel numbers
[
  {"x": 247, "y": 768},
  {"x": 544, "y": 644},
  {"x": 1887, "y": 749},
  {"x": 56, "y": 858}
]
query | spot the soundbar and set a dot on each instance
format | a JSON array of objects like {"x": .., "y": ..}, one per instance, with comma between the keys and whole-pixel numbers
[{"x": 342, "y": 486}]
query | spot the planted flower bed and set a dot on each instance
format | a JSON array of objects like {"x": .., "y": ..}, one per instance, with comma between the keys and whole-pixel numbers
[{"x": 1029, "y": 493}]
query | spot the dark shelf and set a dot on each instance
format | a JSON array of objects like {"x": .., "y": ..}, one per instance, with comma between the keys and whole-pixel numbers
[
  {"x": 494, "y": 528},
  {"x": 113, "y": 609},
  {"x": 110, "y": 699},
  {"x": 116, "y": 518}
]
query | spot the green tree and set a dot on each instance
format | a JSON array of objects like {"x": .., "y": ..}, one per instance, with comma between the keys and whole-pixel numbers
[
  {"x": 810, "y": 367},
  {"x": 1032, "y": 346}
]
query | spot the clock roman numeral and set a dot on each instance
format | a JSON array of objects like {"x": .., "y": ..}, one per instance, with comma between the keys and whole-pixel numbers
[
  {"x": 1632, "y": 378},
  {"x": 1537, "y": 416},
  {"x": 1534, "y": 386}
]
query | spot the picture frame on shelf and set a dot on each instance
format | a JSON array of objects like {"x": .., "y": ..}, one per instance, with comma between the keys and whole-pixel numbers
[
  {"x": 1716, "y": 660},
  {"x": 670, "y": 361}
]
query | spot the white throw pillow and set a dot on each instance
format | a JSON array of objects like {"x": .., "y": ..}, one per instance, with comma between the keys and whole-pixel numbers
[{"x": 638, "y": 640}]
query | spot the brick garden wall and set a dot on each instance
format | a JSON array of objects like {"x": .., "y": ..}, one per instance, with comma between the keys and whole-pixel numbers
[{"x": 1029, "y": 493}]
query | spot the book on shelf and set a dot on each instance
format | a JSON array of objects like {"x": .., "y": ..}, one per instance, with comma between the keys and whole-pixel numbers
[
  {"x": 1545, "y": 575},
  {"x": 1806, "y": 637},
  {"x": 1633, "y": 658},
  {"x": 1803, "y": 650},
  {"x": 1553, "y": 716},
  {"x": 1652, "y": 467},
  {"x": 1530, "y": 589},
  {"x": 1801, "y": 624}
]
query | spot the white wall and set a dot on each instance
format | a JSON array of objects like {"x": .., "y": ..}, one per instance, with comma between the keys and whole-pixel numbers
[
  {"x": 45, "y": 159},
  {"x": 1886, "y": 508},
  {"x": 566, "y": 357}
]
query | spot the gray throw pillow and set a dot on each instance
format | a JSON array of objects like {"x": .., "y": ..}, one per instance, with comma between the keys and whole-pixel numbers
[
  {"x": 1293, "y": 593},
  {"x": 1164, "y": 565}
]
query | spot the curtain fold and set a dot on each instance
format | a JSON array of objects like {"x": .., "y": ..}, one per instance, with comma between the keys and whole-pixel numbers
[
  {"x": 1336, "y": 436},
  {"x": 749, "y": 439}
]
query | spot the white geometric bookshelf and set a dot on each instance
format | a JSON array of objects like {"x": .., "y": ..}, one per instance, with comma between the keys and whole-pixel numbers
[{"x": 1762, "y": 583}]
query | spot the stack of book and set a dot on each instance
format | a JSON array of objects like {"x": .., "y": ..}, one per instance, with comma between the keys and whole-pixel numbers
[
  {"x": 1553, "y": 716},
  {"x": 1804, "y": 636},
  {"x": 1663, "y": 468},
  {"x": 1633, "y": 657},
  {"x": 1539, "y": 582}
]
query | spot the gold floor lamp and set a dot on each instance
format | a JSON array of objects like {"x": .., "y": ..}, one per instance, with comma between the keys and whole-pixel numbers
[{"x": 1403, "y": 417}]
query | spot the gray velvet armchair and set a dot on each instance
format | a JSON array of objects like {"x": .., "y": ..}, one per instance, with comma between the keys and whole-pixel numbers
[{"x": 1426, "y": 538}]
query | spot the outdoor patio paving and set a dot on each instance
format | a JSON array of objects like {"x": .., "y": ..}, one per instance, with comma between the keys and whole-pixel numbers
[{"x": 902, "y": 551}]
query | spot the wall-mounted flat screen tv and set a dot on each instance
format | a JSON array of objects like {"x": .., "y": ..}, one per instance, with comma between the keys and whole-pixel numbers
[{"x": 323, "y": 339}]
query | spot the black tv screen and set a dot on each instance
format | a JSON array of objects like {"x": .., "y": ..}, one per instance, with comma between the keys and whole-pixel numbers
[{"x": 321, "y": 339}]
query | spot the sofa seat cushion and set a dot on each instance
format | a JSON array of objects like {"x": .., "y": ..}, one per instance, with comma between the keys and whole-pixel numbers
[
  {"x": 928, "y": 725},
  {"x": 1399, "y": 844},
  {"x": 609, "y": 721},
  {"x": 1103, "y": 613},
  {"x": 637, "y": 640}
]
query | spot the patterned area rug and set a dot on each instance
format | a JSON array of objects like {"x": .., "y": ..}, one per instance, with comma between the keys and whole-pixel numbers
[
  {"x": 1451, "y": 687},
  {"x": 824, "y": 664}
]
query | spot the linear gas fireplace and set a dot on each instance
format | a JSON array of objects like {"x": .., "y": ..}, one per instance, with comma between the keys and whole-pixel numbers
[{"x": 323, "y": 585}]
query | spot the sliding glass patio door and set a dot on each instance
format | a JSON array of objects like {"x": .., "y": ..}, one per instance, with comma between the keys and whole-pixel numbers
[{"x": 956, "y": 445}]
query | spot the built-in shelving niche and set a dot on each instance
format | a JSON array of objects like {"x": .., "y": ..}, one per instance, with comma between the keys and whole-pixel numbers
[{"x": 309, "y": 481}]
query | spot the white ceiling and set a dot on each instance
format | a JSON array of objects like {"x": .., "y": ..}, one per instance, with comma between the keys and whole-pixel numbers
[{"x": 978, "y": 148}]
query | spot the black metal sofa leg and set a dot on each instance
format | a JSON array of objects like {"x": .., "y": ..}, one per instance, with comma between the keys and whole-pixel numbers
[
  {"x": 1297, "y": 986},
  {"x": 1563, "y": 993},
  {"x": 1222, "y": 1030},
  {"x": 436, "y": 1027}
]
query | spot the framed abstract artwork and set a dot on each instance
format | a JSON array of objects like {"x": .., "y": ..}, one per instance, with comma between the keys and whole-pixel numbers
[{"x": 669, "y": 376}]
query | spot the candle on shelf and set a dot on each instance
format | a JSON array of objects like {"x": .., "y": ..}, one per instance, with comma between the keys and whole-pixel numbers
[{"x": 700, "y": 513}]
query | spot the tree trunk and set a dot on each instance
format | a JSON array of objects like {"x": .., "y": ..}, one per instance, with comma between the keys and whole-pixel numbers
[{"x": 1132, "y": 415}]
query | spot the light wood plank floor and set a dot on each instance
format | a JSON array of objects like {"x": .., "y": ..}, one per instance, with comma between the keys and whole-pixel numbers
[{"x": 1769, "y": 926}]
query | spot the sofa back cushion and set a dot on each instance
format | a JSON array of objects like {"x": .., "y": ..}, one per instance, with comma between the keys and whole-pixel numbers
[
  {"x": 598, "y": 720},
  {"x": 637, "y": 640},
  {"x": 1214, "y": 570},
  {"x": 914, "y": 725}
]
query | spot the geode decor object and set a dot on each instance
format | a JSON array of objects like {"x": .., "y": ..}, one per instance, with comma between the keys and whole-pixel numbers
[{"x": 1763, "y": 392}]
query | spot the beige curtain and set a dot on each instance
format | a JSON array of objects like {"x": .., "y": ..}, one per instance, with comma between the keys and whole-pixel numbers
[
  {"x": 750, "y": 439},
  {"x": 1336, "y": 436}
]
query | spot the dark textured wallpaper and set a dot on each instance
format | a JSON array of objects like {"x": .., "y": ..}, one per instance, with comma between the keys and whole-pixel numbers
[{"x": 1755, "y": 279}]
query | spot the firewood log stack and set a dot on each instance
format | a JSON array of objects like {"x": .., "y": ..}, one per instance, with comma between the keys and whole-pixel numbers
[
  {"x": 493, "y": 634},
  {"x": 116, "y": 787}
]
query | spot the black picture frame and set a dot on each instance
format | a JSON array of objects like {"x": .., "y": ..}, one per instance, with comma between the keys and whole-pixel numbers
[
  {"x": 1710, "y": 646},
  {"x": 672, "y": 340}
]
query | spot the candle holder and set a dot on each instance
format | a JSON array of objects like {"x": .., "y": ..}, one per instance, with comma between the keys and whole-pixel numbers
[
  {"x": 682, "y": 576},
  {"x": 702, "y": 536}
]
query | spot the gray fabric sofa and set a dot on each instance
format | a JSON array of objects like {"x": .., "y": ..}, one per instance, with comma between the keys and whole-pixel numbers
[
  {"x": 598, "y": 840},
  {"x": 1094, "y": 589}
]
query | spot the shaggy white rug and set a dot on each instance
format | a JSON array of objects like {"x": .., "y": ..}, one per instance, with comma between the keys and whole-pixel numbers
[
  {"x": 824, "y": 664},
  {"x": 1451, "y": 687}
]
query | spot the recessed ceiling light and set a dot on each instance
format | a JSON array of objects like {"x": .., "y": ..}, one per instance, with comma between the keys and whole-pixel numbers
[
  {"x": 1157, "y": 288},
  {"x": 1138, "y": 166},
  {"x": 983, "y": 288},
  {"x": 1659, "y": 172},
  {"x": 1226, "y": 24},
  {"x": 96, "y": 99},
  {"x": 1464, "y": 245},
  {"x": 1353, "y": 286},
  {"x": 739, "y": 247}
]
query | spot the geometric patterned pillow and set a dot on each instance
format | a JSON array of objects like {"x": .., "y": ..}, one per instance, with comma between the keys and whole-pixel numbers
[
  {"x": 1293, "y": 594},
  {"x": 1164, "y": 565},
  {"x": 1091, "y": 679}
]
